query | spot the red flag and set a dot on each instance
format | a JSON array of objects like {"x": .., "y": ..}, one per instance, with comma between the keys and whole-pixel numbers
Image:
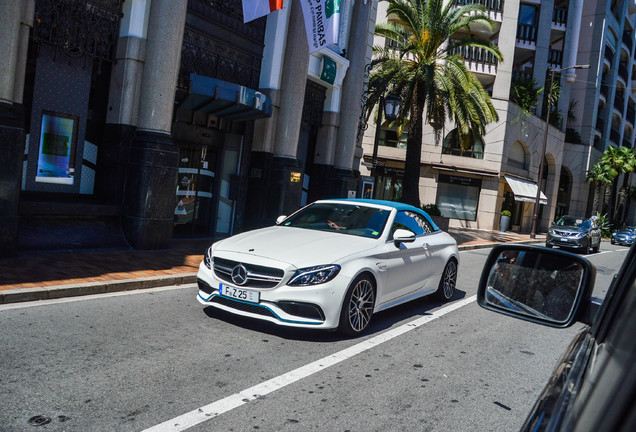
[{"x": 253, "y": 9}]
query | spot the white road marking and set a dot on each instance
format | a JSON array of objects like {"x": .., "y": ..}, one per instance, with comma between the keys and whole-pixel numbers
[
  {"x": 236, "y": 400},
  {"x": 21, "y": 305}
]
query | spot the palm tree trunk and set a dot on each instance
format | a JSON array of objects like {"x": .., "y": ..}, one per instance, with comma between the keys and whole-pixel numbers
[
  {"x": 597, "y": 193},
  {"x": 411, "y": 181}
]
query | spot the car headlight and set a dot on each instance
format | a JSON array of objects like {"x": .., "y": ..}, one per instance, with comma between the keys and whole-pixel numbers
[
  {"x": 579, "y": 234},
  {"x": 551, "y": 231},
  {"x": 314, "y": 275},
  {"x": 207, "y": 259}
]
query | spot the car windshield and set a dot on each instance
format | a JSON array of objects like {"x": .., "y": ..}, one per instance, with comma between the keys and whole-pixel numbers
[
  {"x": 351, "y": 219},
  {"x": 573, "y": 221}
]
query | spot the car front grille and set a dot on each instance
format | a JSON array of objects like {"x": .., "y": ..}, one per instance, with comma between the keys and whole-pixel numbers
[
  {"x": 565, "y": 233},
  {"x": 257, "y": 276}
]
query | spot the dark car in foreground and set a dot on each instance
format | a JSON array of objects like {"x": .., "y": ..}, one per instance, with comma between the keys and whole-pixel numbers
[
  {"x": 624, "y": 236},
  {"x": 593, "y": 387},
  {"x": 575, "y": 233}
]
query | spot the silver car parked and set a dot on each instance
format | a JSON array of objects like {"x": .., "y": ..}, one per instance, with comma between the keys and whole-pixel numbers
[{"x": 576, "y": 233}]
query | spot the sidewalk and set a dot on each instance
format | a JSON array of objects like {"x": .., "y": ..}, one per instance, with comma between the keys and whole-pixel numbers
[{"x": 49, "y": 275}]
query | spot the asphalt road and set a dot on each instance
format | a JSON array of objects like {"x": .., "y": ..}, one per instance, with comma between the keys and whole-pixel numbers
[{"x": 155, "y": 359}]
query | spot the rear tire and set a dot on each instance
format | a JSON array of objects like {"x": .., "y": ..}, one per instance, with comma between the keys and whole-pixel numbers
[
  {"x": 358, "y": 306},
  {"x": 447, "y": 283}
]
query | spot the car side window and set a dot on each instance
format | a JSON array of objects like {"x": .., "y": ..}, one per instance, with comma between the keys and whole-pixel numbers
[{"x": 411, "y": 221}]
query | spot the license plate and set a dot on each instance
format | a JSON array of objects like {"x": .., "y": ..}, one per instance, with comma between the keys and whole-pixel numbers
[
  {"x": 240, "y": 293},
  {"x": 565, "y": 239}
]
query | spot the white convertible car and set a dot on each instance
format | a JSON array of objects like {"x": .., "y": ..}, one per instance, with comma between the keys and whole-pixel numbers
[{"x": 331, "y": 265}]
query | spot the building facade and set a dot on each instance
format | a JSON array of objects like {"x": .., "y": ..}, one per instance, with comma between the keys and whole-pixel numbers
[
  {"x": 131, "y": 122},
  {"x": 472, "y": 183}
]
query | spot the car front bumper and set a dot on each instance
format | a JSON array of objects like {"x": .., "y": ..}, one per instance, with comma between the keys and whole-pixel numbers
[
  {"x": 569, "y": 242},
  {"x": 316, "y": 306},
  {"x": 625, "y": 241}
]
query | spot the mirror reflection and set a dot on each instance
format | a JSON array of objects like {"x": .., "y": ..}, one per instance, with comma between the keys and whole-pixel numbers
[{"x": 536, "y": 284}]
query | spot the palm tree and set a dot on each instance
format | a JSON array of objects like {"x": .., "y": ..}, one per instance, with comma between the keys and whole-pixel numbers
[
  {"x": 618, "y": 160},
  {"x": 433, "y": 82},
  {"x": 599, "y": 176}
]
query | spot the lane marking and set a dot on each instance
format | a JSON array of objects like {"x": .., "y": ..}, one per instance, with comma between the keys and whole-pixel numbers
[
  {"x": 21, "y": 305},
  {"x": 215, "y": 409}
]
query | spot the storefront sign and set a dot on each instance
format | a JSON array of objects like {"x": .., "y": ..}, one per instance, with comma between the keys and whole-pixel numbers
[
  {"x": 329, "y": 69},
  {"x": 457, "y": 180},
  {"x": 56, "y": 156}
]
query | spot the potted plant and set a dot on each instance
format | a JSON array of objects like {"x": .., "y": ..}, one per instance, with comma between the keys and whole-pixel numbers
[
  {"x": 505, "y": 220},
  {"x": 435, "y": 214}
]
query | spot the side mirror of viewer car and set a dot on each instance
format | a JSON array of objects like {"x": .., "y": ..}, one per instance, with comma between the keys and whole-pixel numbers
[
  {"x": 279, "y": 219},
  {"x": 544, "y": 286}
]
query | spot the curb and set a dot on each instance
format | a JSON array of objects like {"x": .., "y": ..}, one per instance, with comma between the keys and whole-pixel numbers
[{"x": 17, "y": 295}]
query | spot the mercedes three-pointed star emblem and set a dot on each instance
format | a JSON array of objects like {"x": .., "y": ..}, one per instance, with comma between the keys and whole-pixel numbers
[{"x": 239, "y": 274}]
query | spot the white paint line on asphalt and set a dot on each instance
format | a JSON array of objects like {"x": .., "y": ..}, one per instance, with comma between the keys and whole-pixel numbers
[
  {"x": 236, "y": 400},
  {"x": 22, "y": 305}
]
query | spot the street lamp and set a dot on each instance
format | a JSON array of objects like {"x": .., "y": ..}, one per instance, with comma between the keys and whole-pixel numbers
[
  {"x": 391, "y": 106},
  {"x": 535, "y": 211}
]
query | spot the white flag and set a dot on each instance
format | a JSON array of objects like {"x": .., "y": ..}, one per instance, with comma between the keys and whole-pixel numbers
[
  {"x": 253, "y": 9},
  {"x": 322, "y": 22}
]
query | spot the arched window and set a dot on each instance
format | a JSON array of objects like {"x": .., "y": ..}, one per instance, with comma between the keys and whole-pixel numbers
[
  {"x": 517, "y": 155},
  {"x": 469, "y": 146}
]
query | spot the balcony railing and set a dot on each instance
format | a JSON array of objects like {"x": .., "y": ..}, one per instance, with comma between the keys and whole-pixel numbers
[
  {"x": 615, "y": 136},
  {"x": 526, "y": 33},
  {"x": 490, "y": 5},
  {"x": 555, "y": 57},
  {"x": 560, "y": 16},
  {"x": 619, "y": 104},
  {"x": 622, "y": 72},
  {"x": 475, "y": 55},
  {"x": 627, "y": 40},
  {"x": 521, "y": 75}
]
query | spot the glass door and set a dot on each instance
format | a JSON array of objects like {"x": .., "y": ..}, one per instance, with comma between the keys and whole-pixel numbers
[{"x": 228, "y": 177}]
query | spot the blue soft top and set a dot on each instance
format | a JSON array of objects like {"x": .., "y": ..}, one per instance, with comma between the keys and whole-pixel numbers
[{"x": 396, "y": 205}]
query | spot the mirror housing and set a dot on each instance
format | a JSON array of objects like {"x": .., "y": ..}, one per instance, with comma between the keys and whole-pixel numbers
[
  {"x": 280, "y": 218},
  {"x": 403, "y": 236},
  {"x": 537, "y": 284}
]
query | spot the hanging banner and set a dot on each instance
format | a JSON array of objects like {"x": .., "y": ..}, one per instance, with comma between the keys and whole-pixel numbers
[
  {"x": 322, "y": 22},
  {"x": 253, "y": 9}
]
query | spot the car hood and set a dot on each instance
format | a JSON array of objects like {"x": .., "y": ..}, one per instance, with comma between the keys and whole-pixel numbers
[
  {"x": 296, "y": 246},
  {"x": 625, "y": 232},
  {"x": 570, "y": 229}
]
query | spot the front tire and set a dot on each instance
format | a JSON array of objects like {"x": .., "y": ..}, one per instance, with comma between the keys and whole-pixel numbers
[
  {"x": 447, "y": 283},
  {"x": 357, "y": 307}
]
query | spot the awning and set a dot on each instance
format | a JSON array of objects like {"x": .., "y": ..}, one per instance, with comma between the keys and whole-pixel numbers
[
  {"x": 226, "y": 100},
  {"x": 524, "y": 190}
]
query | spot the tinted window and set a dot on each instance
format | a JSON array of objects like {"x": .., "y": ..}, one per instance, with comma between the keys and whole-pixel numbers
[
  {"x": 411, "y": 221},
  {"x": 341, "y": 218}
]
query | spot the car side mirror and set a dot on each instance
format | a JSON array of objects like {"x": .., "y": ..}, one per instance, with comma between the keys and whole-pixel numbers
[
  {"x": 403, "y": 236},
  {"x": 279, "y": 219},
  {"x": 544, "y": 286}
]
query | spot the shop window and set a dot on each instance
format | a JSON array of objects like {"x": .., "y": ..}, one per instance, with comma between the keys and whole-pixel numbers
[
  {"x": 388, "y": 184},
  {"x": 457, "y": 197},
  {"x": 468, "y": 146}
]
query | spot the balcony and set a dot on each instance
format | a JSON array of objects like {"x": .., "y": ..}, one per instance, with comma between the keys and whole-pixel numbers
[
  {"x": 560, "y": 16},
  {"x": 600, "y": 124},
  {"x": 555, "y": 57},
  {"x": 631, "y": 115},
  {"x": 627, "y": 143},
  {"x": 622, "y": 72},
  {"x": 475, "y": 55},
  {"x": 526, "y": 33},
  {"x": 608, "y": 55},
  {"x": 627, "y": 40},
  {"x": 604, "y": 90},
  {"x": 615, "y": 136},
  {"x": 521, "y": 75},
  {"x": 619, "y": 104},
  {"x": 490, "y": 5}
]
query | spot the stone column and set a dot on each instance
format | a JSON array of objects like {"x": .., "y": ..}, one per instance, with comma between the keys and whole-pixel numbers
[
  {"x": 15, "y": 21},
  {"x": 570, "y": 52},
  {"x": 123, "y": 103},
  {"x": 507, "y": 38},
  {"x": 283, "y": 194},
  {"x": 151, "y": 176},
  {"x": 541, "y": 64},
  {"x": 345, "y": 173}
]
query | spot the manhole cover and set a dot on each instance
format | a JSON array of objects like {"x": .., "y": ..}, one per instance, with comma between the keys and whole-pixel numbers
[{"x": 39, "y": 420}]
